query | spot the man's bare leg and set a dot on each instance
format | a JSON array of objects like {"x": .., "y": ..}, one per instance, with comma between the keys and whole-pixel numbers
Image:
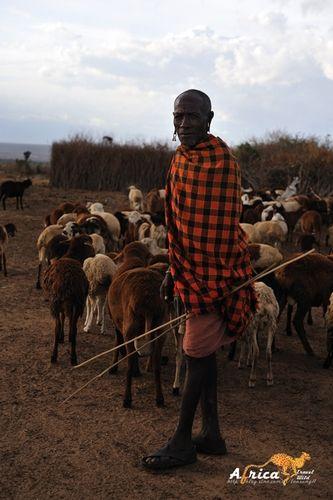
[
  {"x": 209, "y": 439},
  {"x": 180, "y": 450}
]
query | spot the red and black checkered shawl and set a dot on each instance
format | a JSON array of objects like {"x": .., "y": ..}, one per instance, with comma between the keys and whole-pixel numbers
[{"x": 207, "y": 247}]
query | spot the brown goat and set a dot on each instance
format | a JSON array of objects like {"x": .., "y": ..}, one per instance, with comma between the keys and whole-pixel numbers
[
  {"x": 134, "y": 249},
  {"x": 306, "y": 242},
  {"x": 64, "y": 208},
  {"x": 311, "y": 223},
  {"x": 154, "y": 202},
  {"x": 158, "y": 258},
  {"x": 135, "y": 306},
  {"x": 306, "y": 283},
  {"x": 66, "y": 286}
]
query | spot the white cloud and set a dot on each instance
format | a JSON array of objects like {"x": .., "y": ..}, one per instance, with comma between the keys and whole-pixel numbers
[
  {"x": 314, "y": 6},
  {"x": 110, "y": 78},
  {"x": 272, "y": 20}
]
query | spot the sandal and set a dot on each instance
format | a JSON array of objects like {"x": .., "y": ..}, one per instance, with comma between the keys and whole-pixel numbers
[{"x": 166, "y": 458}]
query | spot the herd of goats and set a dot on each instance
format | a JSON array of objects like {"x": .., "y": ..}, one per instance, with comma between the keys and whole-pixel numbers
[{"x": 91, "y": 259}]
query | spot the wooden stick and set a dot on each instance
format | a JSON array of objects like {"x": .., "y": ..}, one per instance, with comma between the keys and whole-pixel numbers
[
  {"x": 128, "y": 341},
  {"x": 99, "y": 375},
  {"x": 269, "y": 271},
  {"x": 188, "y": 315},
  {"x": 181, "y": 319}
]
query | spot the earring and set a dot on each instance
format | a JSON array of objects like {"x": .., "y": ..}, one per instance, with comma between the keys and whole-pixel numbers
[
  {"x": 174, "y": 137},
  {"x": 208, "y": 127}
]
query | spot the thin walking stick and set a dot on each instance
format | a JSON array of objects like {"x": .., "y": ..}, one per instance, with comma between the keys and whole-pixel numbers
[{"x": 187, "y": 315}]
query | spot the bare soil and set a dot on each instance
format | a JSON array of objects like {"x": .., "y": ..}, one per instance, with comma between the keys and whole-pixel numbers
[{"x": 91, "y": 447}]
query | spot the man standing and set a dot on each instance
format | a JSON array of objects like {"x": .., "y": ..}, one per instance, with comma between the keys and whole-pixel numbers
[{"x": 209, "y": 257}]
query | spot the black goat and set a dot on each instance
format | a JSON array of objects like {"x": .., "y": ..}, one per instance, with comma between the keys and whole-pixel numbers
[{"x": 14, "y": 189}]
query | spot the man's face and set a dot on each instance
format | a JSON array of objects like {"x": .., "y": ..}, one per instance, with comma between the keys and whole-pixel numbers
[{"x": 191, "y": 119}]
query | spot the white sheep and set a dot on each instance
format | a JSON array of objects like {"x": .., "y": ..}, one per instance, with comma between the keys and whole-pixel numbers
[
  {"x": 291, "y": 205},
  {"x": 111, "y": 221},
  {"x": 266, "y": 212},
  {"x": 264, "y": 256},
  {"x": 135, "y": 197},
  {"x": 282, "y": 221},
  {"x": 159, "y": 234},
  {"x": 113, "y": 225},
  {"x": 99, "y": 271},
  {"x": 270, "y": 232},
  {"x": 152, "y": 246},
  {"x": 71, "y": 229},
  {"x": 263, "y": 322},
  {"x": 65, "y": 218},
  {"x": 43, "y": 239},
  {"x": 144, "y": 231},
  {"x": 98, "y": 243},
  {"x": 95, "y": 207}
]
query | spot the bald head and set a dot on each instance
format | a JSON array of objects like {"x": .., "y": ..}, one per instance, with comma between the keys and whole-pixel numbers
[
  {"x": 196, "y": 94},
  {"x": 192, "y": 116}
]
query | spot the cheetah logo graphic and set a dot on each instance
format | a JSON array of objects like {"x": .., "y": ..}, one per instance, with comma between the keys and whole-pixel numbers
[{"x": 286, "y": 465}]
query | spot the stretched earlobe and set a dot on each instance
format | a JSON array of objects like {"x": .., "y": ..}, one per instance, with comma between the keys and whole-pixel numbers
[{"x": 174, "y": 137}]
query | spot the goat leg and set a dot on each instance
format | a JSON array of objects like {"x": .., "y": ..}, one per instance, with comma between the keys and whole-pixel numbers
[
  {"x": 90, "y": 304},
  {"x": 62, "y": 330},
  {"x": 289, "y": 315},
  {"x": 102, "y": 302},
  {"x": 127, "y": 402},
  {"x": 119, "y": 340},
  {"x": 255, "y": 355},
  {"x": 310, "y": 320},
  {"x": 72, "y": 334},
  {"x": 57, "y": 333},
  {"x": 38, "y": 276},
  {"x": 232, "y": 350},
  {"x": 4, "y": 264},
  {"x": 270, "y": 341},
  {"x": 242, "y": 352},
  {"x": 299, "y": 326}
]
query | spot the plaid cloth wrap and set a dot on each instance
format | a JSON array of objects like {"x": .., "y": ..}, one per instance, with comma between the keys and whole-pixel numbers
[{"x": 207, "y": 247}]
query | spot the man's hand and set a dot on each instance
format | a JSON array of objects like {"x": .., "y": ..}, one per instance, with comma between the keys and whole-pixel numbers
[{"x": 166, "y": 289}]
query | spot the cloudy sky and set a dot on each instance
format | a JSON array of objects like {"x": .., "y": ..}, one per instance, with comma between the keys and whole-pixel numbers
[{"x": 115, "y": 66}]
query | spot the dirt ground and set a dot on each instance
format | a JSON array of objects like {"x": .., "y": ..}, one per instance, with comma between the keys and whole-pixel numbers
[{"x": 91, "y": 447}]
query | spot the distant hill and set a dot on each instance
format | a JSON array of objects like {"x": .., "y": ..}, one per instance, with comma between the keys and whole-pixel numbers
[{"x": 11, "y": 151}]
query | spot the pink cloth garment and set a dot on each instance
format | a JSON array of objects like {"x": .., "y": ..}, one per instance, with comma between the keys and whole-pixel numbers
[{"x": 205, "y": 334}]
